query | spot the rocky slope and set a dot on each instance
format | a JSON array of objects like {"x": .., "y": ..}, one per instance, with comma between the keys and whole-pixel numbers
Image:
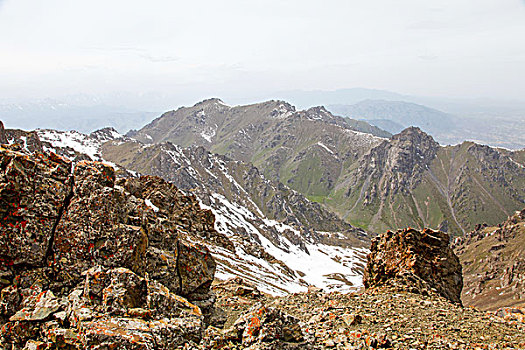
[
  {"x": 371, "y": 182},
  {"x": 411, "y": 303},
  {"x": 304, "y": 150},
  {"x": 412, "y": 181},
  {"x": 277, "y": 238},
  {"x": 87, "y": 261},
  {"x": 260, "y": 216},
  {"x": 494, "y": 264}
]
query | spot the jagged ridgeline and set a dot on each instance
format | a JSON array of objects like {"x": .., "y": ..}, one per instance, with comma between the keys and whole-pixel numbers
[{"x": 370, "y": 181}]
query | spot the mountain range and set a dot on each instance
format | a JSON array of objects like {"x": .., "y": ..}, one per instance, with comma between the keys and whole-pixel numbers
[
  {"x": 213, "y": 223},
  {"x": 297, "y": 195},
  {"x": 370, "y": 181}
]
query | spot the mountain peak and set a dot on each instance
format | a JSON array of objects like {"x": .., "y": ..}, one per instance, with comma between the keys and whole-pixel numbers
[
  {"x": 211, "y": 101},
  {"x": 106, "y": 134},
  {"x": 415, "y": 135}
]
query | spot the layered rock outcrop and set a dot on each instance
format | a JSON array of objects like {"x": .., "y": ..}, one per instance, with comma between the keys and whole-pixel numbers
[
  {"x": 419, "y": 261},
  {"x": 87, "y": 261}
]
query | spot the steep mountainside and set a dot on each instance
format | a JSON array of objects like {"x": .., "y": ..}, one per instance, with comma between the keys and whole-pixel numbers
[
  {"x": 303, "y": 149},
  {"x": 493, "y": 259},
  {"x": 372, "y": 182},
  {"x": 412, "y": 181},
  {"x": 277, "y": 238},
  {"x": 263, "y": 215}
]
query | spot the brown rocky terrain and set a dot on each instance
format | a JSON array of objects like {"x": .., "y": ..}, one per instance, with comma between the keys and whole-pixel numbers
[
  {"x": 420, "y": 261},
  {"x": 493, "y": 259},
  {"x": 87, "y": 261}
]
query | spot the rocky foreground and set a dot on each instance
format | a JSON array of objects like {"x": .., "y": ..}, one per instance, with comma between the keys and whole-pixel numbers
[
  {"x": 412, "y": 301},
  {"x": 386, "y": 318},
  {"x": 91, "y": 262}
]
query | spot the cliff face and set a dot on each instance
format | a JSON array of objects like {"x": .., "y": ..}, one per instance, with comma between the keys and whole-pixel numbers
[
  {"x": 412, "y": 181},
  {"x": 88, "y": 261}
]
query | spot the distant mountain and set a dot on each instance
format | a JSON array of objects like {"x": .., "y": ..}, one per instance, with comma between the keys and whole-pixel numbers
[
  {"x": 372, "y": 182},
  {"x": 388, "y": 125},
  {"x": 53, "y": 114},
  {"x": 453, "y": 105},
  {"x": 446, "y": 128},
  {"x": 307, "y": 99},
  {"x": 403, "y": 114}
]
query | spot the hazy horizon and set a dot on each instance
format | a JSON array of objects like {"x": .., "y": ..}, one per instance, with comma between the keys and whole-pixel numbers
[{"x": 249, "y": 50}]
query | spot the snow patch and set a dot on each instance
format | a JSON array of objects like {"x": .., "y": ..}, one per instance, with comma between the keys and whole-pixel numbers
[
  {"x": 77, "y": 141},
  {"x": 329, "y": 267},
  {"x": 208, "y": 134},
  {"x": 320, "y": 144},
  {"x": 151, "y": 205}
]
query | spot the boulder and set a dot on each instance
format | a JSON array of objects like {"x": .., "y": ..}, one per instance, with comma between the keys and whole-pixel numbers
[
  {"x": 417, "y": 261},
  {"x": 261, "y": 327}
]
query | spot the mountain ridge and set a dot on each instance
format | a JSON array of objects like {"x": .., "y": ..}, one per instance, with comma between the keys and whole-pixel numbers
[{"x": 318, "y": 155}]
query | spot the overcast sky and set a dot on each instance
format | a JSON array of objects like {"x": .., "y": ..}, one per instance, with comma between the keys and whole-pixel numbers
[{"x": 460, "y": 48}]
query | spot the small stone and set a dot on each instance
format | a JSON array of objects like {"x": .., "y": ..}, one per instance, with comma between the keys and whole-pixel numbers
[{"x": 352, "y": 319}]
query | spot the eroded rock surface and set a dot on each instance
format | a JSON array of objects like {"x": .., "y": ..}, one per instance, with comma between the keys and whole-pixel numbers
[
  {"x": 419, "y": 261},
  {"x": 493, "y": 259},
  {"x": 90, "y": 262}
]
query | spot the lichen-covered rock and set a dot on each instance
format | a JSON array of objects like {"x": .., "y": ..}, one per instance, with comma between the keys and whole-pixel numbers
[
  {"x": 261, "y": 327},
  {"x": 84, "y": 263},
  {"x": 93, "y": 229},
  {"x": 41, "y": 307},
  {"x": 33, "y": 190},
  {"x": 420, "y": 261}
]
